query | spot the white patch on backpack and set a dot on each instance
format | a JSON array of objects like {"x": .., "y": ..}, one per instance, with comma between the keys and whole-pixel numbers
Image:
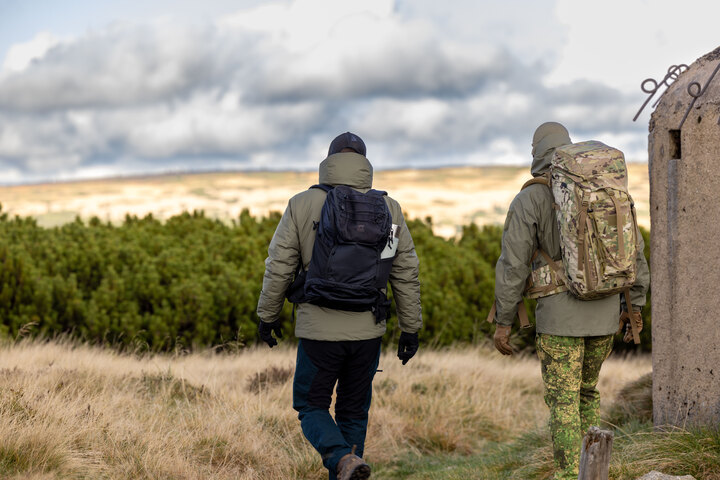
[{"x": 391, "y": 247}]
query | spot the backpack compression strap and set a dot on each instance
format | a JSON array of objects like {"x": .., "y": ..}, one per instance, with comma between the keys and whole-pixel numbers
[
  {"x": 631, "y": 315},
  {"x": 545, "y": 180},
  {"x": 298, "y": 282},
  {"x": 555, "y": 266},
  {"x": 521, "y": 313}
]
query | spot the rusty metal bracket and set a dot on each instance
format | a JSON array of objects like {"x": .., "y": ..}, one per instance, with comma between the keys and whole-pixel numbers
[
  {"x": 696, "y": 92},
  {"x": 673, "y": 72}
]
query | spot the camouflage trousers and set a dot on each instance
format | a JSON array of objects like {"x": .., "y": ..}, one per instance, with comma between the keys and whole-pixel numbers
[{"x": 570, "y": 371}]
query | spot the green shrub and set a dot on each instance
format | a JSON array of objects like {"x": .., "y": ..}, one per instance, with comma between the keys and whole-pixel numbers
[{"x": 194, "y": 282}]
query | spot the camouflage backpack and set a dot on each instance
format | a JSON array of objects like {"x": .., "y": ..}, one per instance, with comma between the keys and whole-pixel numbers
[{"x": 597, "y": 222}]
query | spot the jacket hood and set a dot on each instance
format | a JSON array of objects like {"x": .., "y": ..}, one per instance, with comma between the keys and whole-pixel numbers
[
  {"x": 348, "y": 168},
  {"x": 546, "y": 139}
]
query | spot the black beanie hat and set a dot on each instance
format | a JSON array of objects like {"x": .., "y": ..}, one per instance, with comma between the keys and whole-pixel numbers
[{"x": 347, "y": 140}]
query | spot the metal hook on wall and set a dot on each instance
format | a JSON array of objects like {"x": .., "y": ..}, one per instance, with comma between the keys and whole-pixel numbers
[
  {"x": 673, "y": 72},
  {"x": 695, "y": 91}
]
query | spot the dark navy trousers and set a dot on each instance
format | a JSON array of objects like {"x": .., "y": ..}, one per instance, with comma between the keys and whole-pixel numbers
[{"x": 320, "y": 365}]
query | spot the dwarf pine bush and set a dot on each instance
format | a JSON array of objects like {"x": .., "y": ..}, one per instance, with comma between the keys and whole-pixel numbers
[{"x": 193, "y": 281}]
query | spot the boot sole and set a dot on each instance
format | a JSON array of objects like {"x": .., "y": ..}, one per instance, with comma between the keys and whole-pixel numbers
[{"x": 361, "y": 473}]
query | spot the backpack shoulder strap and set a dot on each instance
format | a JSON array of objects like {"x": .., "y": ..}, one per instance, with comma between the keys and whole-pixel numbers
[
  {"x": 324, "y": 187},
  {"x": 542, "y": 179}
]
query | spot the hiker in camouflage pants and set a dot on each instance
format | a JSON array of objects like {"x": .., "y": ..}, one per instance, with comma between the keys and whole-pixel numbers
[
  {"x": 574, "y": 337},
  {"x": 570, "y": 370}
]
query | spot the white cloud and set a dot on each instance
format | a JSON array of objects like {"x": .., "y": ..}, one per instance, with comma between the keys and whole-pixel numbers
[
  {"x": 354, "y": 53},
  {"x": 20, "y": 55},
  {"x": 622, "y": 42},
  {"x": 300, "y": 25},
  {"x": 270, "y": 86},
  {"x": 199, "y": 127}
]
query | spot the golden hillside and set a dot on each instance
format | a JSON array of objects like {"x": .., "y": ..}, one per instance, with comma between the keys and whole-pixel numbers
[{"x": 451, "y": 196}]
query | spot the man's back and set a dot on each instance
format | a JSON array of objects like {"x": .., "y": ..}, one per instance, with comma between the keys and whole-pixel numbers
[
  {"x": 294, "y": 241},
  {"x": 530, "y": 226},
  {"x": 574, "y": 337},
  {"x": 337, "y": 347}
]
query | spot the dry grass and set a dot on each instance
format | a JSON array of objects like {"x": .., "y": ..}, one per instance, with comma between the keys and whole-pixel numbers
[{"x": 69, "y": 411}]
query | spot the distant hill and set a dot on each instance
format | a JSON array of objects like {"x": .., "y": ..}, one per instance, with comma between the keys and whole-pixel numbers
[{"x": 451, "y": 196}]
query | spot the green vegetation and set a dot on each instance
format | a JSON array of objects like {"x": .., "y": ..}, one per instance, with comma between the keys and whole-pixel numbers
[
  {"x": 635, "y": 453},
  {"x": 192, "y": 281},
  {"x": 637, "y": 449}
]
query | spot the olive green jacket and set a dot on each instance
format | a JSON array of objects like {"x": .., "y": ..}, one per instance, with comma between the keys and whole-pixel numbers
[
  {"x": 531, "y": 224},
  {"x": 293, "y": 242}
]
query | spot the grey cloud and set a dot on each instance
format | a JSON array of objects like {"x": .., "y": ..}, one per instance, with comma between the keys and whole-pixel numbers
[
  {"x": 586, "y": 92},
  {"x": 124, "y": 65},
  {"x": 469, "y": 125},
  {"x": 173, "y": 97},
  {"x": 410, "y": 67},
  {"x": 154, "y": 132}
]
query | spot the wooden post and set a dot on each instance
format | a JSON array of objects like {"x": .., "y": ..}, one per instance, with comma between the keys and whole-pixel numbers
[{"x": 595, "y": 454}]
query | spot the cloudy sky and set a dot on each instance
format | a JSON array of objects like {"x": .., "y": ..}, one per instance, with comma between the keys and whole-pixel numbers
[{"x": 93, "y": 88}]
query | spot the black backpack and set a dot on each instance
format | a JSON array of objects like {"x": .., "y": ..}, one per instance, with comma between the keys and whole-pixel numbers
[{"x": 347, "y": 269}]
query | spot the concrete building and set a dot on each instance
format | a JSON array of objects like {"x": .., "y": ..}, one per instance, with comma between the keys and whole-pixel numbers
[{"x": 684, "y": 163}]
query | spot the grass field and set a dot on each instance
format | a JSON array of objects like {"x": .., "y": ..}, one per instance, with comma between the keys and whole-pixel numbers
[
  {"x": 81, "y": 412},
  {"x": 453, "y": 197},
  {"x": 73, "y": 411}
]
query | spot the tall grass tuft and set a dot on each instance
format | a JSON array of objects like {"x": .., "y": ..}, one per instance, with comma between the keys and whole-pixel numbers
[
  {"x": 633, "y": 403},
  {"x": 81, "y": 412}
]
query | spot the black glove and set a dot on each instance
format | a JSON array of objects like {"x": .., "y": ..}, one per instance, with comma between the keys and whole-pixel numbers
[
  {"x": 265, "y": 330},
  {"x": 407, "y": 346}
]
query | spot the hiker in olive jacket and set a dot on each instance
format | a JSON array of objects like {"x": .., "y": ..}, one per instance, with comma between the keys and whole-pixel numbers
[
  {"x": 337, "y": 345},
  {"x": 574, "y": 337}
]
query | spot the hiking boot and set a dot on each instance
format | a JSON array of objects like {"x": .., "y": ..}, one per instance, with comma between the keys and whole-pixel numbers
[{"x": 352, "y": 467}]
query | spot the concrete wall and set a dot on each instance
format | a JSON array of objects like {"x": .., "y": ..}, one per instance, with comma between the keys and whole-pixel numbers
[{"x": 685, "y": 250}]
